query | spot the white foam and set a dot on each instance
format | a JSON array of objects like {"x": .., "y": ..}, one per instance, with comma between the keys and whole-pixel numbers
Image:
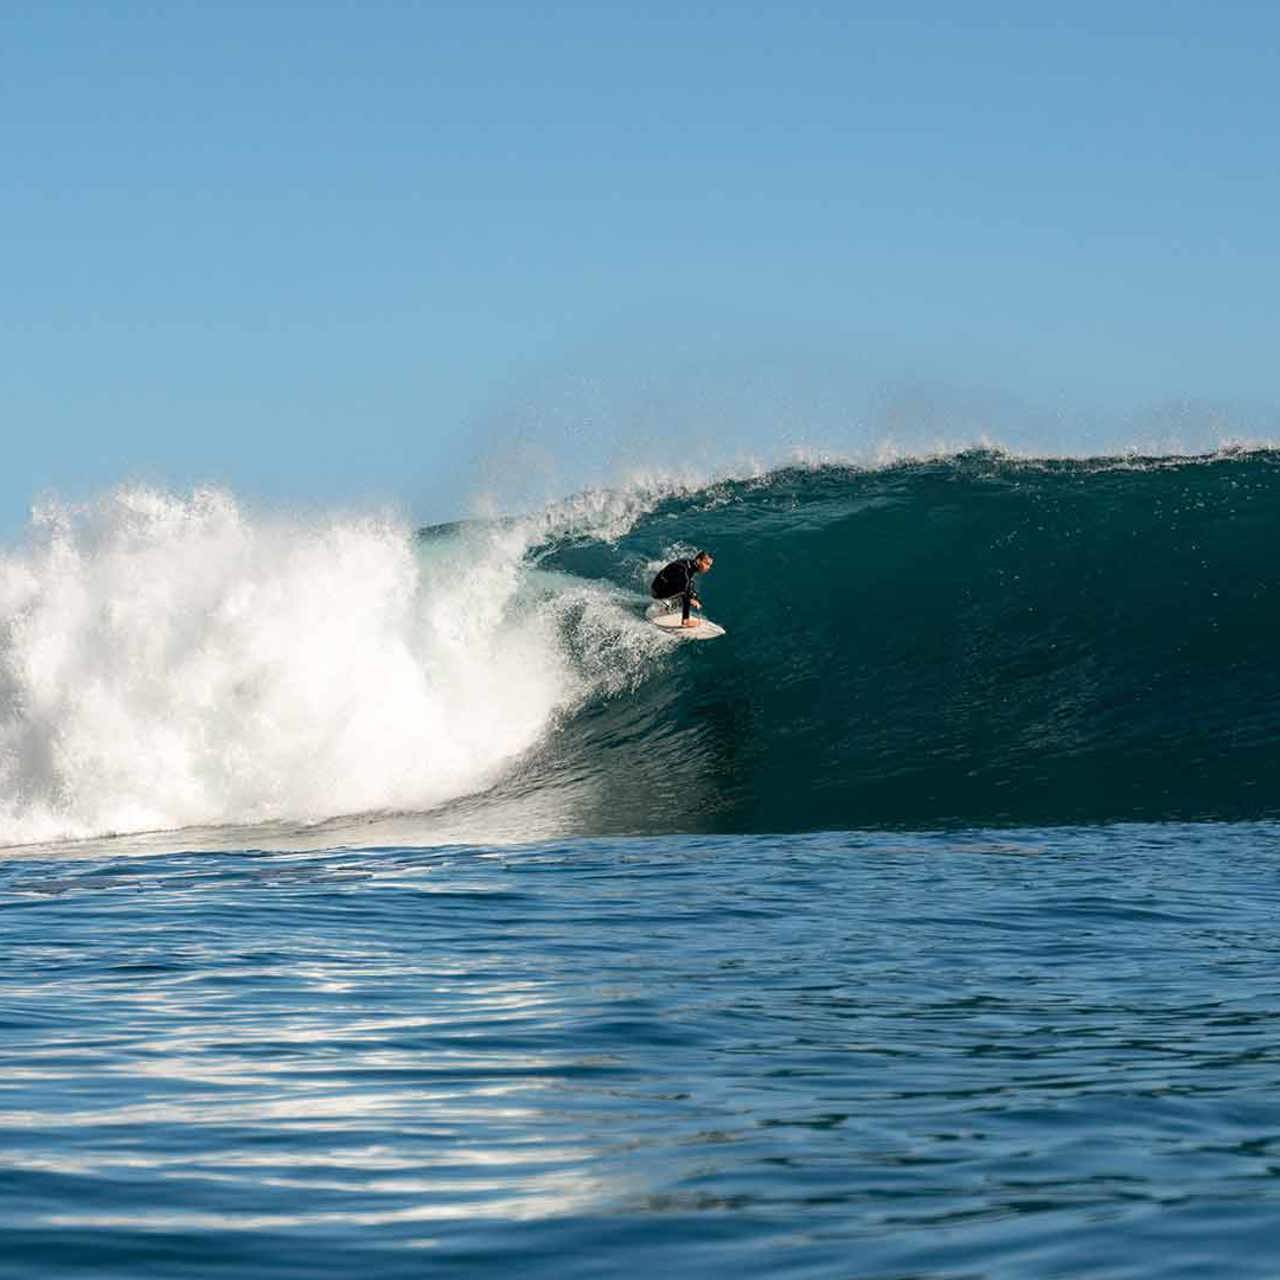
[{"x": 168, "y": 661}]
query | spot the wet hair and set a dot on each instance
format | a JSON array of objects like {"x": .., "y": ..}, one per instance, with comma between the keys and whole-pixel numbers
[{"x": 704, "y": 554}]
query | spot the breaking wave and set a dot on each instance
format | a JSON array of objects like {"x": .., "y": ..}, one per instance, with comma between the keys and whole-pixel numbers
[{"x": 968, "y": 639}]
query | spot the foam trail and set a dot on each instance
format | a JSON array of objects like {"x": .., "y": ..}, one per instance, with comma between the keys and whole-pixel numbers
[{"x": 169, "y": 661}]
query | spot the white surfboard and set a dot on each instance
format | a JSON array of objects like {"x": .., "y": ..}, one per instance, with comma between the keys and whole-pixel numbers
[{"x": 672, "y": 624}]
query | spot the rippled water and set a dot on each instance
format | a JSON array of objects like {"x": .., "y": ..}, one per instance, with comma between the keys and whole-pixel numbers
[{"x": 1045, "y": 1053}]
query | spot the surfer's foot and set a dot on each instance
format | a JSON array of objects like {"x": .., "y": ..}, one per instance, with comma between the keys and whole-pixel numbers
[{"x": 691, "y": 622}]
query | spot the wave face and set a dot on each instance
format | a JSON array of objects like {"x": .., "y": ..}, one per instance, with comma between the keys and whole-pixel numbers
[{"x": 974, "y": 640}]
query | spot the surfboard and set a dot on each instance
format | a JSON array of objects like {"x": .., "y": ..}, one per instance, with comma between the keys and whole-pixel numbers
[{"x": 671, "y": 623}]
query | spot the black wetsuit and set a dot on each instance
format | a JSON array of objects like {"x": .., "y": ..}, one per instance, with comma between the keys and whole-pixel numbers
[{"x": 676, "y": 580}]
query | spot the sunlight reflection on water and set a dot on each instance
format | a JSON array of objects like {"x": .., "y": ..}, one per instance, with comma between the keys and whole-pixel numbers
[{"x": 1042, "y": 1052}]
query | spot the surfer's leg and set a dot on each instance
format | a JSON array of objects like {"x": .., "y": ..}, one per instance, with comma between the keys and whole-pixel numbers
[{"x": 686, "y": 600}]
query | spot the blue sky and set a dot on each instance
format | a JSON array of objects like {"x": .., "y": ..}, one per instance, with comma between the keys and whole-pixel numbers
[{"x": 334, "y": 253}]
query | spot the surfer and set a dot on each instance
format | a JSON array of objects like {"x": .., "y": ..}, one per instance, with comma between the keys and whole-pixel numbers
[{"x": 676, "y": 582}]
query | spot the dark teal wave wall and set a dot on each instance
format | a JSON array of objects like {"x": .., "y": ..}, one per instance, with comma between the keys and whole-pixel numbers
[{"x": 970, "y": 640}]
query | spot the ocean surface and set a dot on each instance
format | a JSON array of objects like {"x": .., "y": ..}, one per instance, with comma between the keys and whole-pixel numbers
[{"x": 394, "y": 902}]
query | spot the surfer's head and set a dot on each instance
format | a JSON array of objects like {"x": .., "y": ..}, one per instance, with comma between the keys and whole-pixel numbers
[{"x": 703, "y": 561}]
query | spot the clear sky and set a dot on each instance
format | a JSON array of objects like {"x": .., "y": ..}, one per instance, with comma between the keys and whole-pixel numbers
[{"x": 333, "y": 252}]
